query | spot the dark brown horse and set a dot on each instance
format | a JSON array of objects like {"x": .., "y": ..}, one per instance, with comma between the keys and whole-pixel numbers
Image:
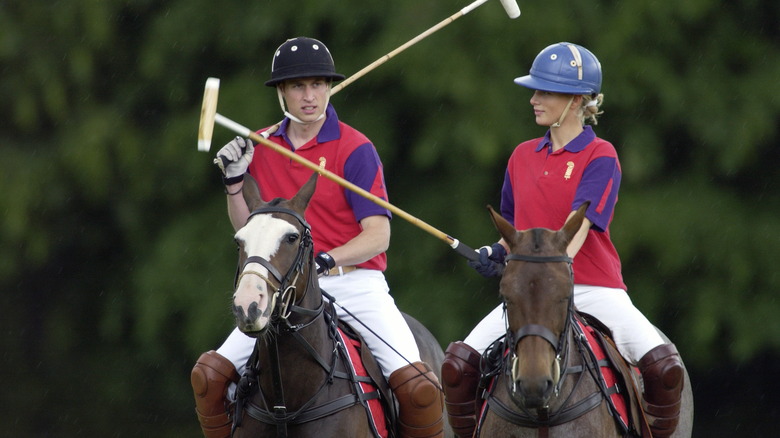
[
  {"x": 298, "y": 382},
  {"x": 547, "y": 384}
]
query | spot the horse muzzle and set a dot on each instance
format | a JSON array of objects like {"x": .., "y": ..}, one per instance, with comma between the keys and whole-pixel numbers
[
  {"x": 533, "y": 390},
  {"x": 252, "y": 322}
]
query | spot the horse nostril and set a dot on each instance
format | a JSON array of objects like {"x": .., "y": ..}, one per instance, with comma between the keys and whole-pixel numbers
[
  {"x": 545, "y": 389},
  {"x": 539, "y": 388},
  {"x": 238, "y": 312},
  {"x": 254, "y": 312}
]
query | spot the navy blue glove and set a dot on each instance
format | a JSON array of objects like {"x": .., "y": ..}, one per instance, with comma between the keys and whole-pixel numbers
[
  {"x": 324, "y": 263},
  {"x": 491, "y": 260}
]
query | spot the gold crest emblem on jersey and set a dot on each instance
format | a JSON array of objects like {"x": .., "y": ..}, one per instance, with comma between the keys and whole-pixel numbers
[{"x": 569, "y": 168}]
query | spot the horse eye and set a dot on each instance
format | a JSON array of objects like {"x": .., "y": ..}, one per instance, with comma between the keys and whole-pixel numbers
[{"x": 293, "y": 237}]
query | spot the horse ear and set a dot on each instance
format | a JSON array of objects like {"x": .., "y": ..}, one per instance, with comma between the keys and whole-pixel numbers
[
  {"x": 251, "y": 193},
  {"x": 302, "y": 198},
  {"x": 574, "y": 223},
  {"x": 507, "y": 230}
]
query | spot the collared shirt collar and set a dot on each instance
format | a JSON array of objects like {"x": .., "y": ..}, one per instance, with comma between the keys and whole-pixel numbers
[
  {"x": 577, "y": 144},
  {"x": 328, "y": 132}
]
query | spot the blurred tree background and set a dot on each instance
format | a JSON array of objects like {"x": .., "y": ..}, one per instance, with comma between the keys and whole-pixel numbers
[{"x": 116, "y": 255}]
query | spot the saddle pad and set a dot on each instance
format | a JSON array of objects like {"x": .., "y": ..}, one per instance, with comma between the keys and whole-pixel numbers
[
  {"x": 607, "y": 372},
  {"x": 374, "y": 406}
]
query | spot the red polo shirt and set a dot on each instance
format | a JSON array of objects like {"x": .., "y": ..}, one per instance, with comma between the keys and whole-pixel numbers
[
  {"x": 541, "y": 188},
  {"x": 334, "y": 212}
]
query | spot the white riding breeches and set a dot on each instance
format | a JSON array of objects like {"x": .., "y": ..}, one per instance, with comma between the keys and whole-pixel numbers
[
  {"x": 633, "y": 334},
  {"x": 366, "y": 295}
]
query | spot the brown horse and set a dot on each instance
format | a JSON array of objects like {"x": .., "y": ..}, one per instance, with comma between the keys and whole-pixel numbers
[
  {"x": 298, "y": 381},
  {"x": 547, "y": 384}
]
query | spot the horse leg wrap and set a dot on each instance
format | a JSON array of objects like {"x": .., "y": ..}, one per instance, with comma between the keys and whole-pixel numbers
[
  {"x": 460, "y": 375},
  {"x": 662, "y": 373},
  {"x": 420, "y": 401},
  {"x": 210, "y": 378}
]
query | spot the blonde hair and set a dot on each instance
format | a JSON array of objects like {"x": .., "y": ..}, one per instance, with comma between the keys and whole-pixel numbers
[{"x": 590, "y": 108}]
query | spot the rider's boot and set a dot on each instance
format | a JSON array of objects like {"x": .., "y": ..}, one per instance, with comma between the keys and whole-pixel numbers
[
  {"x": 210, "y": 378},
  {"x": 420, "y": 402},
  {"x": 662, "y": 373},
  {"x": 460, "y": 375}
]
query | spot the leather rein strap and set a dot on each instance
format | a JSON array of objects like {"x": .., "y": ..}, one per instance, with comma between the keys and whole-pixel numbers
[{"x": 278, "y": 414}]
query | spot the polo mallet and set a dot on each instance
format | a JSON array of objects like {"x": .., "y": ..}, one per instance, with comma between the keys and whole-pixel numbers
[
  {"x": 510, "y": 6},
  {"x": 209, "y": 115}
]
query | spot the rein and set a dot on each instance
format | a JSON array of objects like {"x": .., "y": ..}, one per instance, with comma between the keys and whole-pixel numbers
[
  {"x": 544, "y": 418},
  {"x": 278, "y": 414}
]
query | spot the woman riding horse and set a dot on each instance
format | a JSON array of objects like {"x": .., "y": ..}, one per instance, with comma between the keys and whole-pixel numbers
[{"x": 546, "y": 180}]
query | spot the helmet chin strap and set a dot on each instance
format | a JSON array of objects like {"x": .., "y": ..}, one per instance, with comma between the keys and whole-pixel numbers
[
  {"x": 578, "y": 63},
  {"x": 563, "y": 114},
  {"x": 295, "y": 119}
]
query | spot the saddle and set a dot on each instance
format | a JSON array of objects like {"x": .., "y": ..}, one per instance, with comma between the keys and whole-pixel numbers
[
  {"x": 599, "y": 337},
  {"x": 382, "y": 410}
]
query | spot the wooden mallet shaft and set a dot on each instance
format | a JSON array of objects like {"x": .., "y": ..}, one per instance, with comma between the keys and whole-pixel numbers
[
  {"x": 209, "y": 116},
  {"x": 510, "y": 6}
]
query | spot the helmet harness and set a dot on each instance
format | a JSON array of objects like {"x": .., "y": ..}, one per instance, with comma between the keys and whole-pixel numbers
[
  {"x": 301, "y": 58},
  {"x": 578, "y": 62},
  {"x": 566, "y": 71}
]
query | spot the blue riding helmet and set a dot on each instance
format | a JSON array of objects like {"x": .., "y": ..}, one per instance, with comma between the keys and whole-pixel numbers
[
  {"x": 302, "y": 58},
  {"x": 564, "y": 68}
]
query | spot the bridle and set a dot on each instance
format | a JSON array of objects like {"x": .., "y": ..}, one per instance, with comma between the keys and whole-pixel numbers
[
  {"x": 544, "y": 418},
  {"x": 284, "y": 287},
  {"x": 559, "y": 344}
]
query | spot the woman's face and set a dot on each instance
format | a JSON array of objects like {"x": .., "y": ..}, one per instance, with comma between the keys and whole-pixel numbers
[
  {"x": 549, "y": 106},
  {"x": 306, "y": 98}
]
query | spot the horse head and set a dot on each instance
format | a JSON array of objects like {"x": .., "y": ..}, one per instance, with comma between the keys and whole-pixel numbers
[
  {"x": 537, "y": 291},
  {"x": 275, "y": 258}
]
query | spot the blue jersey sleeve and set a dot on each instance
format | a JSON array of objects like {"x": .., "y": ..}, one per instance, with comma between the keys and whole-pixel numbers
[
  {"x": 364, "y": 169},
  {"x": 507, "y": 199},
  {"x": 600, "y": 185}
]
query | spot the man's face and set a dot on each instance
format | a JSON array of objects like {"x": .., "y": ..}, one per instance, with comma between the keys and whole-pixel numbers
[{"x": 306, "y": 98}]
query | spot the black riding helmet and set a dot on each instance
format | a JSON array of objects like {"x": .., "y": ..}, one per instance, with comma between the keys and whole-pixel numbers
[{"x": 302, "y": 58}]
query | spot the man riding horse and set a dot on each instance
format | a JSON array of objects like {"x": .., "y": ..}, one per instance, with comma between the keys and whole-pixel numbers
[{"x": 350, "y": 235}]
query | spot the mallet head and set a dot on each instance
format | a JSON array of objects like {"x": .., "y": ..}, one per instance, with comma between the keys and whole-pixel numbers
[
  {"x": 511, "y": 8},
  {"x": 208, "y": 112}
]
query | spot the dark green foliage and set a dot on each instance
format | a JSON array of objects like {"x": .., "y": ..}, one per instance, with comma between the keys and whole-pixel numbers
[{"x": 116, "y": 257}]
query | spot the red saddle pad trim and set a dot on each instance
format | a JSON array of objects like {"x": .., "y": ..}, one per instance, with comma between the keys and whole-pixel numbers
[
  {"x": 607, "y": 372},
  {"x": 375, "y": 408}
]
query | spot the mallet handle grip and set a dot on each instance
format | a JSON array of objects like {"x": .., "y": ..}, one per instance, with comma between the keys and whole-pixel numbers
[
  {"x": 246, "y": 132},
  {"x": 223, "y": 161}
]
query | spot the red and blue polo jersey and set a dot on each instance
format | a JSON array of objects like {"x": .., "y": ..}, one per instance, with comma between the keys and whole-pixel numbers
[
  {"x": 541, "y": 188},
  {"x": 334, "y": 212}
]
